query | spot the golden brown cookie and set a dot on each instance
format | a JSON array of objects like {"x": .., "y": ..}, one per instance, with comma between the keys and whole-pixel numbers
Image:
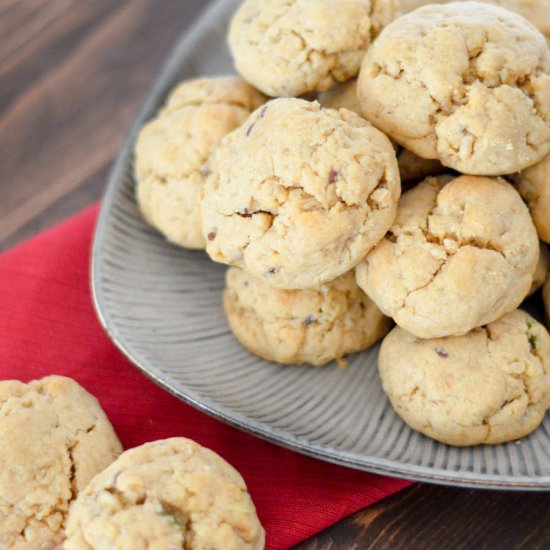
[
  {"x": 299, "y": 194},
  {"x": 465, "y": 83},
  {"x": 54, "y": 438},
  {"x": 165, "y": 495},
  {"x": 461, "y": 253},
  {"x": 172, "y": 149},
  {"x": 490, "y": 386},
  {"x": 287, "y": 48},
  {"x": 311, "y": 326}
]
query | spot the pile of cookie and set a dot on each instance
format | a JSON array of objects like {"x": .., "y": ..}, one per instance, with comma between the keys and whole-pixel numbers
[
  {"x": 65, "y": 484},
  {"x": 301, "y": 195}
]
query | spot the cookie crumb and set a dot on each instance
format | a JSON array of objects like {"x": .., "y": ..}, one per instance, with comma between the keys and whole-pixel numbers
[{"x": 342, "y": 363}]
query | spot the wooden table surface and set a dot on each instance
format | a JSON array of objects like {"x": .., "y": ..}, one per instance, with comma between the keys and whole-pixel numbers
[{"x": 72, "y": 76}]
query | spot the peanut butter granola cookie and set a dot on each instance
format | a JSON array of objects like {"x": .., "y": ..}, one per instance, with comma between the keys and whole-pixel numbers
[
  {"x": 490, "y": 386},
  {"x": 311, "y": 326},
  {"x": 465, "y": 83},
  {"x": 165, "y": 495},
  {"x": 461, "y": 253},
  {"x": 54, "y": 438},
  {"x": 172, "y": 148},
  {"x": 289, "y": 47},
  {"x": 299, "y": 194}
]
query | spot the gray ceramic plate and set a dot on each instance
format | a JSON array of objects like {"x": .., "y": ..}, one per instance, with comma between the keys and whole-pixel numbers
[{"x": 162, "y": 308}]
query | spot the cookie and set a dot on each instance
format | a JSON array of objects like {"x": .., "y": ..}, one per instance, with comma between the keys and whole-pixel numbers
[
  {"x": 163, "y": 495},
  {"x": 54, "y": 438},
  {"x": 313, "y": 326},
  {"x": 534, "y": 186},
  {"x": 287, "y": 48},
  {"x": 465, "y": 83},
  {"x": 542, "y": 269},
  {"x": 299, "y": 194},
  {"x": 489, "y": 386},
  {"x": 536, "y": 12},
  {"x": 411, "y": 166},
  {"x": 172, "y": 148},
  {"x": 461, "y": 253}
]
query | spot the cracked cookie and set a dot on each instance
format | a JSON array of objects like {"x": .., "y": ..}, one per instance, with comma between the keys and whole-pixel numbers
[
  {"x": 536, "y": 12},
  {"x": 313, "y": 326},
  {"x": 542, "y": 269},
  {"x": 411, "y": 166},
  {"x": 489, "y": 386},
  {"x": 299, "y": 194},
  {"x": 172, "y": 148},
  {"x": 461, "y": 253},
  {"x": 287, "y": 48},
  {"x": 533, "y": 185},
  {"x": 54, "y": 438},
  {"x": 483, "y": 110},
  {"x": 164, "y": 495}
]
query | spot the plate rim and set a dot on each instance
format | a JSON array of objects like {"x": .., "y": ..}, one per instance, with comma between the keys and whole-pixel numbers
[{"x": 386, "y": 467}]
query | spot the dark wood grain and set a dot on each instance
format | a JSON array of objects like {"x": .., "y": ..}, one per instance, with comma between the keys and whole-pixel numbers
[
  {"x": 428, "y": 517},
  {"x": 72, "y": 75}
]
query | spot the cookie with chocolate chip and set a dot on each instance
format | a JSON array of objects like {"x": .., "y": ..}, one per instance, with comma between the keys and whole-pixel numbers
[{"x": 299, "y": 194}]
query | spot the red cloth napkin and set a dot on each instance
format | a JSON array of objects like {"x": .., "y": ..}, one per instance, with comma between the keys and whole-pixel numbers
[{"x": 48, "y": 326}]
